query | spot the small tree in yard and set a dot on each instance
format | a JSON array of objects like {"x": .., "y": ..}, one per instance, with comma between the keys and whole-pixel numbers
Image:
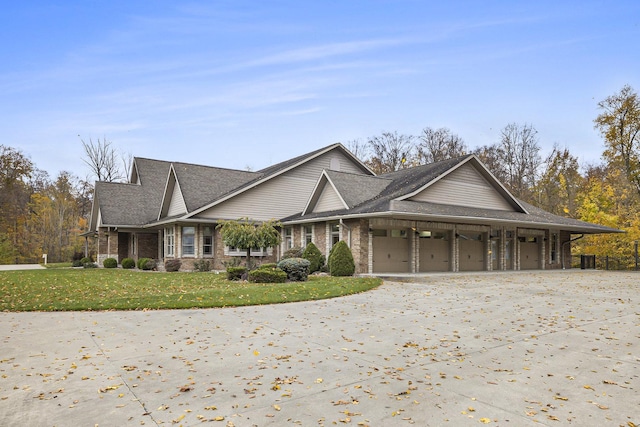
[
  {"x": 246, "y": 234},
  {"x": 341, "y": 260}
]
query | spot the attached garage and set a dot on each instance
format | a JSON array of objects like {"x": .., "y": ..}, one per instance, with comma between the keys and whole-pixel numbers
[
  {"x": 471, "y": 251},
  {"x": 391, "y": 251},
  {"x": 435, "y": 251},
  {"x": 530, "y": 252}
]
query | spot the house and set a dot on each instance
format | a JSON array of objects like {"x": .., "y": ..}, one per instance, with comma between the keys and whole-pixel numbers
[{"x": 452, "y": 215}]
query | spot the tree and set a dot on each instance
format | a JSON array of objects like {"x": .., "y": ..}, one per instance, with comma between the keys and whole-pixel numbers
[
  {"x": 619, "y": 124},
  {"x": 559, "y": 184},
  {"x": 246, "y": 234},
  {"x": 341, "y": 260},
  {"x": 15, "y": 171},
  {"x": 515, "y": 159},
  {"x": 440, "y": 144},
  {"x": 102, "y": 159},
  {"x": 390, "y": 152}
]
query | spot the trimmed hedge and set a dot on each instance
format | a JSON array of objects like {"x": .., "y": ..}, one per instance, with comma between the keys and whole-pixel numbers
[
  {"x": 295, "y": 252},
  {"x": 202, "y": 265},
  {"x": 236, "y": 273},
  {"x": 269, "y": 265},
  {"x": 341, "y": 260},
  {"x": 265, "y": 275},
  {"x": 297, "y": 269},
  {"x": 312, "y": 254},
  {"x": 128, "y": 263},
  {"x": 110, "y": 263},
  {"x": 172, "y": 265},
  {"x": 147, "y": 264}
]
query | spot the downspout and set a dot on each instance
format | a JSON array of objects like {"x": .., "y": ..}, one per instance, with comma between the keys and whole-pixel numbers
[
  {"x": 567, "y": 242},
  {"x": 342, "y": 224}
]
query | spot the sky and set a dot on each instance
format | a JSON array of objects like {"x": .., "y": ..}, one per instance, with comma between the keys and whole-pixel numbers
[{"x": 246, "y": 84}]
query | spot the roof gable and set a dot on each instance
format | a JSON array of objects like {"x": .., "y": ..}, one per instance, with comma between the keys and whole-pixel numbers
[
  {"x": 172, "y": 201},
  {"x": 469, "y": 184}
]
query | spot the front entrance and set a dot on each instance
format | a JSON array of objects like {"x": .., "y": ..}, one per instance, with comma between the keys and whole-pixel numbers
[{"x": 391, "y": 251}]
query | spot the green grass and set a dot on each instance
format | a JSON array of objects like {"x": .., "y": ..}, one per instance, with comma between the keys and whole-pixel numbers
[{"x": 117, "y": 289}]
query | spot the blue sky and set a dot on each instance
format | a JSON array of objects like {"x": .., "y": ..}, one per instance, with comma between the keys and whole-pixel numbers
[{"x": 251, "y": 83}]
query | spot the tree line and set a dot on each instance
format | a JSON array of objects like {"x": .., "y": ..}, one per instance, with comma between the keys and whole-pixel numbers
[{"x": 43, "y": 215}]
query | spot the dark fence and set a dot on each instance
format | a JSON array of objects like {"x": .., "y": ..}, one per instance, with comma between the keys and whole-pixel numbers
[{"x": 605, "y": 262}]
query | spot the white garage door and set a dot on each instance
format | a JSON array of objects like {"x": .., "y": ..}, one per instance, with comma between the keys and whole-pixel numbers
[
  {"x": 435, "y": 251},
  {"x": 529, "y": 253},
  {"x": 391, "y": 251}
]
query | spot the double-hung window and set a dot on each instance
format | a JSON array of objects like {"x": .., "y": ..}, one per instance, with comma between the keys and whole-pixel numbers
[
  {"x": 169, "y": 240},
  {"x": 188, "y": 241},
  {"x": 288, "y": 238},
  {"x": 307, "y": 234},
  {"x": 207, "y": 241},
  {"x": 335, "y": 234}
]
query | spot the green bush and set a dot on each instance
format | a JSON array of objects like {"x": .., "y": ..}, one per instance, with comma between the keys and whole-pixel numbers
[
  {"x": 297, "y": 269},
  {"x": 294, "y": 252},
  {"x": 312, "y": 254},
  {"x": 269, "y": 265},
  {"x": 86, "y": 260},
  {"x": 147, "y": 264},
  {"x": 76, "y": 263},
  {"x": 265, "y": 275},
  {"x": 341, "y": 260},
  {"x": 236, "y": 273},
  {"x": 172, "y": 265},
  {"x": 110, "y": 263},
  {"x": 90, "y": 265},
  {"x": 202, "y": 265},
  {"x": 128, "y": 263}
]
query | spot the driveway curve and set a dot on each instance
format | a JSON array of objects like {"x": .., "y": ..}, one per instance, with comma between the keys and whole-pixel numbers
[{"x": 522, "y": 349}]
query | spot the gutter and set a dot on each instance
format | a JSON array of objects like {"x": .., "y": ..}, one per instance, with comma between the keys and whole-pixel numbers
[{"x": 567, "y": 242}]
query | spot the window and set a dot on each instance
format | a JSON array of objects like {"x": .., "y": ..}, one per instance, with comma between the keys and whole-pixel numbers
[
  {"x": 554, "y": 248},
  {"x": 399, "y": 233},
  {"x": 288, "y": 238},
  {"x": 207, "y": 241},
  {"x": 169, "y": 240},
  {"x": 335, "y": 234},
  {"x": 233, "y": 251},
  {"x": 307, "y": 234},
  {"x": 188, "y": 241}
]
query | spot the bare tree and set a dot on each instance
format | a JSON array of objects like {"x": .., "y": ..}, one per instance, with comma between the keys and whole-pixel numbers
[
  {"x": 439, "y": 144},
  {"x": 390, "y": 152},
  {"x": 102, "y": 159},
  {"x": 358, "y": 148}
]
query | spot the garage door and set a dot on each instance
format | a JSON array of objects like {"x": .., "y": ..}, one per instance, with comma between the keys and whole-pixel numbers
[
  {"x": 471, "y": 252},
  {"x": 435, "y": 251},
  {"x": 529, "y": 253},
  {"x": 391, "y": 251}
]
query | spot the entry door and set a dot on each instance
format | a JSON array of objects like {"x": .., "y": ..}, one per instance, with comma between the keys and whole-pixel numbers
[{"x": 391, "y": 251}]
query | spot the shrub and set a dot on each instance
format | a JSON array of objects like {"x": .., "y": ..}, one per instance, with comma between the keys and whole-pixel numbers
[
  {"x": 294, "y": 252},
  {"x": 86, "y": 260},
  {"x": 110, "y": 263},
  {"x": 90, "y": 265},
  {"x": 297, "y": 269},
  {"x": 202, "y": 265},
  {"x": 147, "y": 264},
  {"x": 236, "y": 273},
  {"x": 128, "y": 263},
  {"x": 312, "y": 254},
  {"x": 172, "y": 265},
  {"x": 341, "y": 260},
  {"x": 76, "y": 263},
  {"x": 266, "y": 275},
  {"x": 269, "y": 265}
]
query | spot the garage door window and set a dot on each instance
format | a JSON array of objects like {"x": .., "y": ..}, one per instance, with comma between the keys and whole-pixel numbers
[{"x": 399, "y": 233}]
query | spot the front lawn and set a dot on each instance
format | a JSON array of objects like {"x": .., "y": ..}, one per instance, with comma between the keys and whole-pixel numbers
[{"x": 117, "y": 289}]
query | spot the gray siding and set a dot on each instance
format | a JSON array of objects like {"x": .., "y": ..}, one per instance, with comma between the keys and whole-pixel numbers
[
  {"x": 177, "y": 205},
  {"x": 313, "y": 168},
  {"x": 328, "y": 200},
  {"x": 277, "y": 198},
  {"x": 464, "y": 187}
]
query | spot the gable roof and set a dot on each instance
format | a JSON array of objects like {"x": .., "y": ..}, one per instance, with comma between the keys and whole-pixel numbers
[{"x": 390, "y": 195}]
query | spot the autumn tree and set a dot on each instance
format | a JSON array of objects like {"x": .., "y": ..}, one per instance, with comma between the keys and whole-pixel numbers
[
  {"x": 246, "y": 234},
  {"x": 619, "y": 125},
  {"x": 439, "y": 144},
  {"x": 559, "y": 183},
  {"x": 390, "y": 152},
  {"x": 15, "y": 171}
]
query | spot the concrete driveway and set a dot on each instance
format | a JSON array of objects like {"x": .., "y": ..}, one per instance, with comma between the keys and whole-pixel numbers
[
  {"x": 520, "y": 349},
  {"x": 8, "y": 267}
]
